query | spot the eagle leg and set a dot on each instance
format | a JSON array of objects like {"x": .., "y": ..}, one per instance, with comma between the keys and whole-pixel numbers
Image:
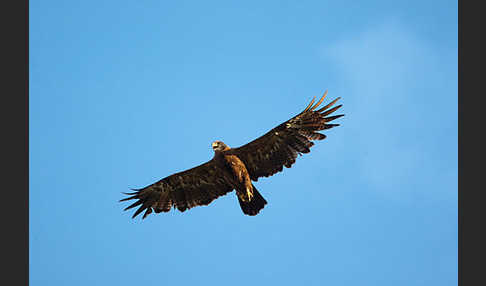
[{"x": 249, "y": 193}]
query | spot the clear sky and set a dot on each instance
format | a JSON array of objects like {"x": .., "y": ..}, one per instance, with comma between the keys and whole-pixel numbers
[{"x": 124, "y": 93}]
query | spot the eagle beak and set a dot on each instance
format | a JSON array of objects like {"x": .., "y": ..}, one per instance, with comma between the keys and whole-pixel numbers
[{"x": 214, "y": 145}]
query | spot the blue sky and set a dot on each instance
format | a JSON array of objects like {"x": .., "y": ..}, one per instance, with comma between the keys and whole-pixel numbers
[{"x": 124, "y": 93}]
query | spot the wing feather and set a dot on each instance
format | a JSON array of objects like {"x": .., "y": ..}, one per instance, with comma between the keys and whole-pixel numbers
[
  {"x": 184, "y": 190},
  {"x": 280, "y": 146}
]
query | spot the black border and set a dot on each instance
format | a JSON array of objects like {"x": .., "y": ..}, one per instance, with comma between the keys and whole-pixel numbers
[
  {"x": 15, "y": 141},
  {"x": 471, "y": 224},
  {"x": 462, "y": 274}
]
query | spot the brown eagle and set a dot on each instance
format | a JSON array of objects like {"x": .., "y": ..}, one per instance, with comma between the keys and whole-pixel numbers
[{"x": 235, "y": 168}]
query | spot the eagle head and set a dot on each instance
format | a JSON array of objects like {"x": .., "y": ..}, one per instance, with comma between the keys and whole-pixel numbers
[{"x": 219, "y": 146}]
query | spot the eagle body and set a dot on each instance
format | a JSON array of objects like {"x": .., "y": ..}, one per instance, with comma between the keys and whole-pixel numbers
[
  {"x": 238, "y": 171},
  {"x": 235, "y": 168},
  {"x": 251, "y": 201}
]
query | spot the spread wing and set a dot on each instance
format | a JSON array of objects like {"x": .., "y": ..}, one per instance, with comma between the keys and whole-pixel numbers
[
  {"x": 194, "y": 187},
  {"x": 279, "y": 147}
]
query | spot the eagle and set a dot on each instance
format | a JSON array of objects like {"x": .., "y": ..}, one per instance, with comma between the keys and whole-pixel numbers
[{"x": 235, "y": 168}]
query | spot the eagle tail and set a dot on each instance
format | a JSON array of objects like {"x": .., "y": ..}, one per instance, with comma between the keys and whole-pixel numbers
[{"x": 254, "y": 206}]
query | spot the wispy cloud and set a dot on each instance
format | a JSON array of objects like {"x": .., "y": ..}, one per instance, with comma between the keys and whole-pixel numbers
[{"x": 401, "y": 109}]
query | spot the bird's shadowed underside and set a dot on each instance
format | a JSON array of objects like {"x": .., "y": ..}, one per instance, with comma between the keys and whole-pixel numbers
[{"x": 234, "y": 168}]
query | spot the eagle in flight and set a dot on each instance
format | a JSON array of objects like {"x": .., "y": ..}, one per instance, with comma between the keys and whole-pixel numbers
[{"x": 235, "y": 168}]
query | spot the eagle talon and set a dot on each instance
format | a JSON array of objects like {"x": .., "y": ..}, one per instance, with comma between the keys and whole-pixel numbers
[{"x": 250, "y": 195}]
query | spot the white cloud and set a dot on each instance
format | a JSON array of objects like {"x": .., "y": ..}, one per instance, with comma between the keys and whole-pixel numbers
[{"x": 401, "y": 98}]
